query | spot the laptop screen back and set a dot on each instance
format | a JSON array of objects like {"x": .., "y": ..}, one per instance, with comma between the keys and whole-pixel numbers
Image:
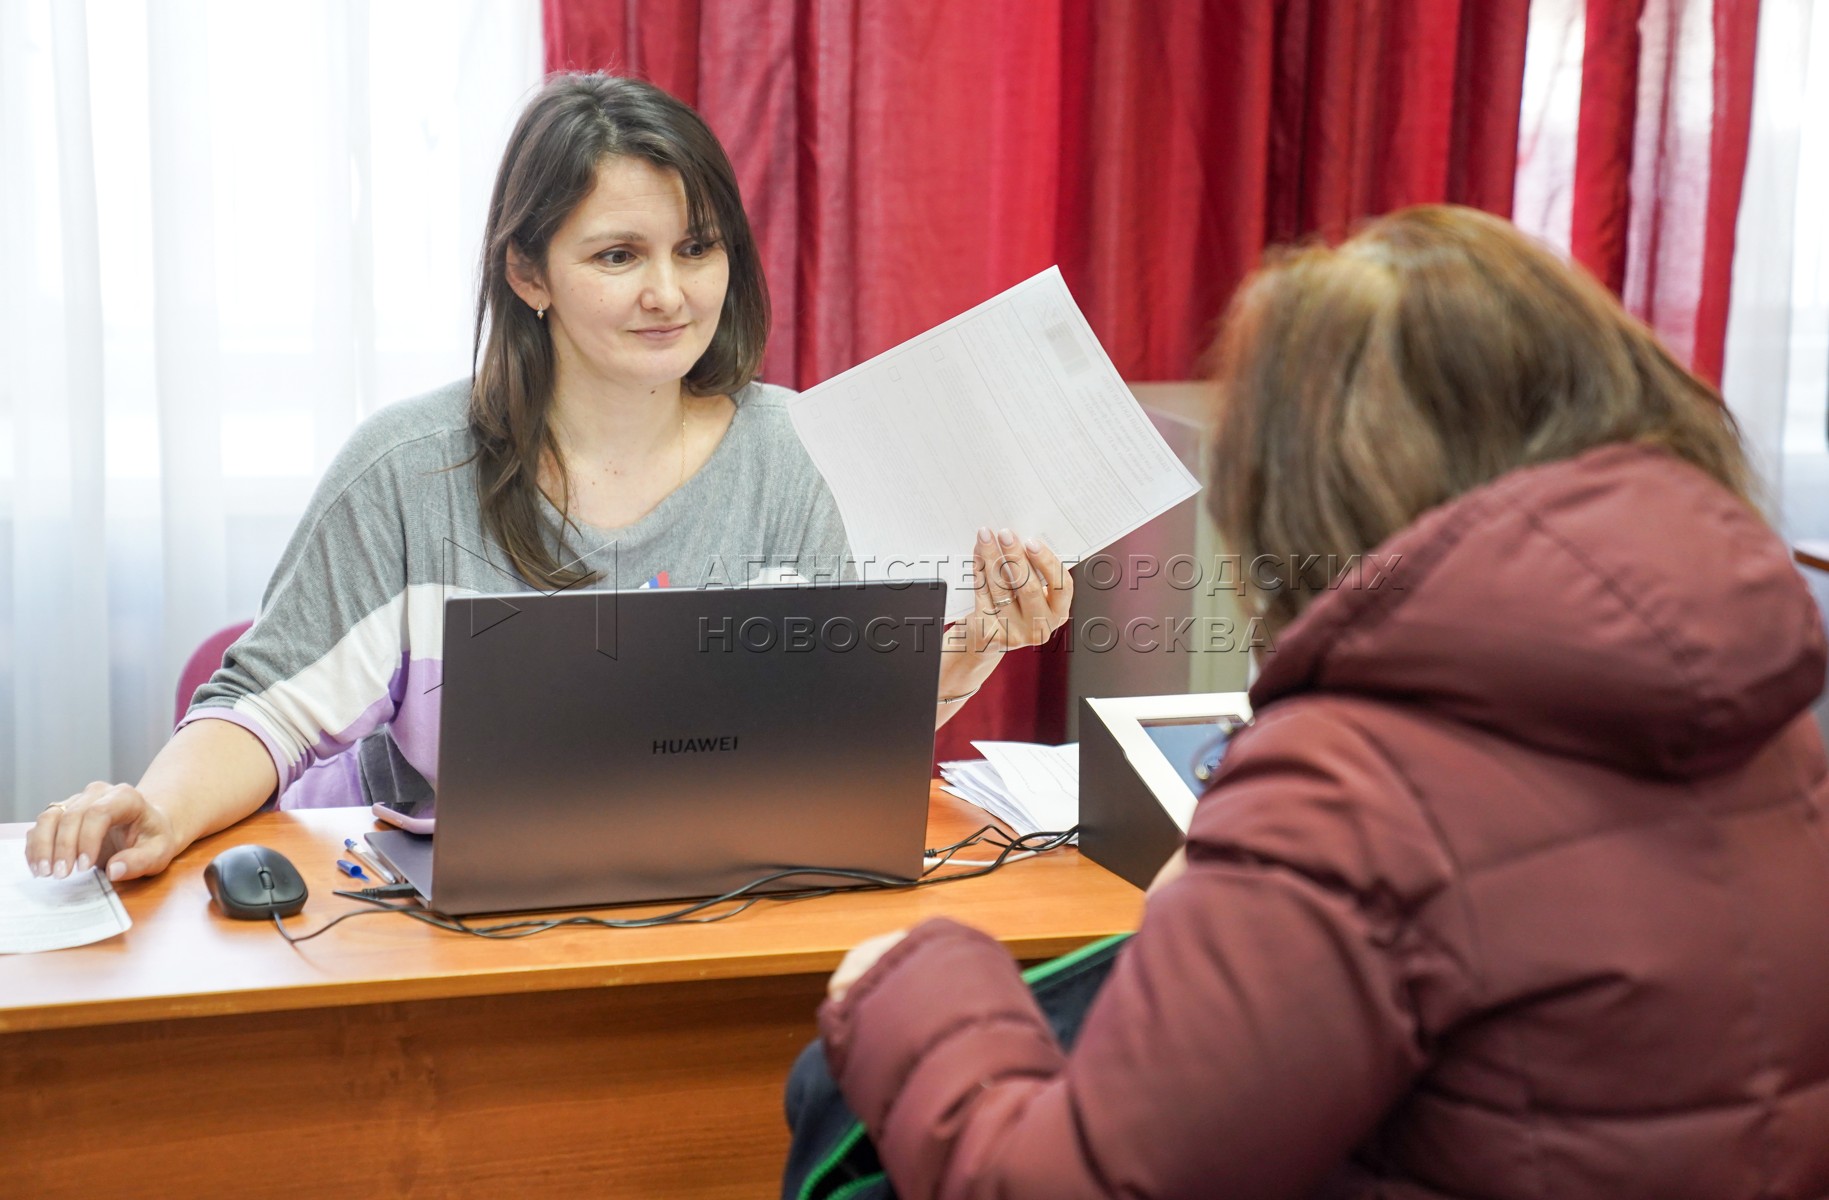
[{"x": 611, "y": 747}]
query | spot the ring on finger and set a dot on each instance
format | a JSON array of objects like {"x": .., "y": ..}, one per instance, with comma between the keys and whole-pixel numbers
[
  {"x": 999, "y": 605},
  {"x": 56, "y": 804}
]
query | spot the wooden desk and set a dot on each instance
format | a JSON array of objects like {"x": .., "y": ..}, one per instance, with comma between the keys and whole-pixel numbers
[{"x": 195, "y": 1056}]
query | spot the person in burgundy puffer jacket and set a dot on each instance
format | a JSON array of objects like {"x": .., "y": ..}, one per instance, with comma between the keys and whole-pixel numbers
[{"x": 1518, "y": 886}]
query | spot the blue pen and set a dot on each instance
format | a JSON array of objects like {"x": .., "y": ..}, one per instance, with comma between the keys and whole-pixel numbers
[
  {"x": 370, "y": 861},
  {"x": 351, "y": 869}
]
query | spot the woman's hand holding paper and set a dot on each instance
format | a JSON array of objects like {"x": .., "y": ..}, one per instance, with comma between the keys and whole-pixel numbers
[{"x": 1023, "y": 593}]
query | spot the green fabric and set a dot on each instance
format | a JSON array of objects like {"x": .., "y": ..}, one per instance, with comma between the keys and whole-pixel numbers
[
  {"x": 834, "y": 1162},
  {"x": 857, "y": 1185},
  {"x": 810, "y": 1190},
  {"x": 1055, "y": 966}
]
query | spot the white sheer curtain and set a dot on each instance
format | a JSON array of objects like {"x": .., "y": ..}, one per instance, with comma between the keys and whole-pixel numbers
[
  {"x": 228, "y": 231},
  {"x": 1777, "y": 366},
  {"x": 1775, "y": 356},
  {"x": 1776, "y": 376},
  {"x": 1776, "y": 371},
  {"x": 1549, "y": 118}
]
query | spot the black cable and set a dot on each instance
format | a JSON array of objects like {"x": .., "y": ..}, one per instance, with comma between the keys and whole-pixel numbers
[
  {"x": 975, "y": 836},
  {"x": 871, "y": 881},
  {"x": 336, "y": 920},
  {"x": 945, "y": 854}
]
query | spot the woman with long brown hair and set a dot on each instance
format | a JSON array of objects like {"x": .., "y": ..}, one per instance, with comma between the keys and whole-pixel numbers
[
  {"x": 1518, "y": 885},
  {"x": 613, "y": 435}
]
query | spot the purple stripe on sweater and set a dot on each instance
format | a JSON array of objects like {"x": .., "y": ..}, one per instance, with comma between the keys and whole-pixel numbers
[
  {"x": 335, "y": 779},
  {"x": 330, "y": 777},
  {"x": 415, "y": 726},
  {"x": 328, "y": 783},
  {"x": 372, "y": 718}
]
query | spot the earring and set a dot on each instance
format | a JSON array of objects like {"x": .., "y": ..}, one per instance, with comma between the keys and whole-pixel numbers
[{"x": 540, "y": 313}]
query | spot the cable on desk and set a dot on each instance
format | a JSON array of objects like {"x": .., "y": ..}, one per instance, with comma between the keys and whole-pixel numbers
[
  {"x": 993, "y": 835},
  {"x": 1025, "y": 846}
]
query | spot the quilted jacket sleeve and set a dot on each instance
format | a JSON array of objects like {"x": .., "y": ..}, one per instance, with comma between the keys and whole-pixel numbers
[{"x": 1268, "y": 1013}]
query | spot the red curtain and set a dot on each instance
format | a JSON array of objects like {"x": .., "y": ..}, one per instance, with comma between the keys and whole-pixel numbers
[
  {"x": 1666, "y": 112},
  {"x": 905, "y": 159}
]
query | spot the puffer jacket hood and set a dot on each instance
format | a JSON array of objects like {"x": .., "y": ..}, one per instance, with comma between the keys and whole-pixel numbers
[{"x": 1568, "y": 607}]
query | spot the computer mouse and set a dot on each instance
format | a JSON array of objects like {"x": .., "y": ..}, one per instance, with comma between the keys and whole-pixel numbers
[{"x": 254, "y": 883}]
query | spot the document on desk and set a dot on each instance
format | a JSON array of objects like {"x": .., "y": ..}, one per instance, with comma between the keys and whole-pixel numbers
[
  {"x": 1031, "y": 788},
  {"x": 53, "y": 914},
  {"x": 1009, "y": 415}
]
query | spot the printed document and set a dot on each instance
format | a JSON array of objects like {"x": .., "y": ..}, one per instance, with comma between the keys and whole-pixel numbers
[
  {"x": 1009, "y": 416},
  {"x": 52, "y": 914},
  {"x": 1030, "y": 788}
]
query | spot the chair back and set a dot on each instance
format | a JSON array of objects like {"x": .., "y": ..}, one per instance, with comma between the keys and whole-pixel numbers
[{"x": 203, "y": 663}]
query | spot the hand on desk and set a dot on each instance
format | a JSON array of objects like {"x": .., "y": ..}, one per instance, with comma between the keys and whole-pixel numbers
[{"x": 109, "y": 823}]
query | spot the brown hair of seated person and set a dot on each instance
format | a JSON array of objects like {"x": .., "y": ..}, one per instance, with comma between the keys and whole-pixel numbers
[{"x": 1471, "y": 350}]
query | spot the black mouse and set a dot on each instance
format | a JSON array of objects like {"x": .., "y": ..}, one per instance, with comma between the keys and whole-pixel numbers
[{"x": 254, "y": 883}]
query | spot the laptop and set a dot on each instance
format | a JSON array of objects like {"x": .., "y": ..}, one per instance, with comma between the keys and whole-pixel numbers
[{"x": 602, "y": 748}]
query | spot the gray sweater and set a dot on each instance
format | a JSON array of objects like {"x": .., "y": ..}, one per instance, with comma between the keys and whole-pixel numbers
[{"x": 348, "y": 646}]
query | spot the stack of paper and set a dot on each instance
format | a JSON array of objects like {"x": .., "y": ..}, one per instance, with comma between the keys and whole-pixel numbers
[{"x": 1030, "y": 788}]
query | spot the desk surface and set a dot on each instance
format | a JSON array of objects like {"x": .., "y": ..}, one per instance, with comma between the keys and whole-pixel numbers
[{"x": 181, "y": 959}]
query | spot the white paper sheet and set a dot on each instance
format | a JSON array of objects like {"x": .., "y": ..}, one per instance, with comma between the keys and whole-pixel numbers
[
  {"x": 1009, "y": 415},
  {"x": 53, "y": 914},
  {"x": 1031, "y": 788},
  {"x": 1044, "y": 779},
  {"x": 976, "y": 782}
]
